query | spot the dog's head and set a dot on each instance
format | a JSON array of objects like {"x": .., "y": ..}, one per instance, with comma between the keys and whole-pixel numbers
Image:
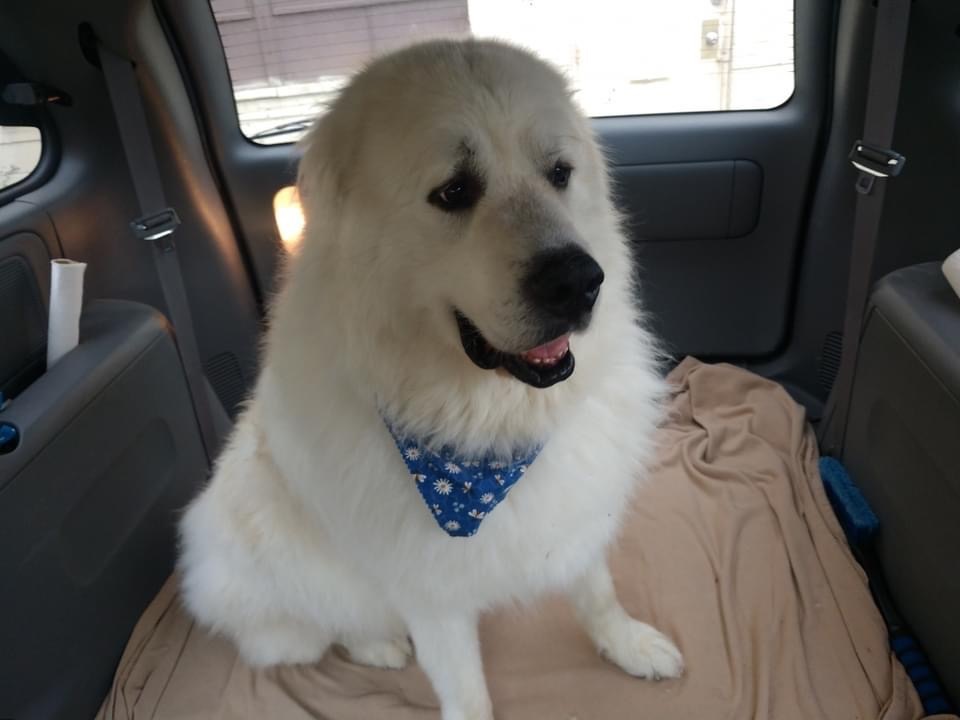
[{"x": 468, "y": 198}]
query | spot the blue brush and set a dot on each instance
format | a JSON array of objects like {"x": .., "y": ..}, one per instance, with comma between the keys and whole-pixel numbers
[{"x": 861, "y": 526}]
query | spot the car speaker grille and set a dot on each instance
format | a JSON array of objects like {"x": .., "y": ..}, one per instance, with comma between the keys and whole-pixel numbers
[
  {"x": 830, "y": 355},
  {"x": 225, "y": 375}
]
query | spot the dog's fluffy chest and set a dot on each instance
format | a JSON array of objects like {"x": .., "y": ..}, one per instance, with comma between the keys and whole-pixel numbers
[{"x": 352, "y": 480}]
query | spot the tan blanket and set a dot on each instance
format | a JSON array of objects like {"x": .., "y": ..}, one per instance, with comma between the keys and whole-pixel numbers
[{"x": 732, "y": 550}]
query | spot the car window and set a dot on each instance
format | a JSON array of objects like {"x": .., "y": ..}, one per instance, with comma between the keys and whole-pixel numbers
[
  {"x": 20, "y": 151},
  {"x": 288, "y": 58}
]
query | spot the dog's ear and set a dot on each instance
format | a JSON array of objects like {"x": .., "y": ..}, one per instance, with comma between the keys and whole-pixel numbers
[{"x": 320, "y": 176}]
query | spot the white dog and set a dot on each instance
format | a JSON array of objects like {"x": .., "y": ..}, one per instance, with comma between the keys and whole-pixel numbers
[{"x": 420, "y": 361}]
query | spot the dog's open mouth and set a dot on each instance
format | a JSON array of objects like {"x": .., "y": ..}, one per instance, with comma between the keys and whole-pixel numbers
[{"x": 541, "y": 367}]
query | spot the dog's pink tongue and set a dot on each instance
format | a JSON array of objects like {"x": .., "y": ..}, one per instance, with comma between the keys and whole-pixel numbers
[{"x": 549, "y": 351}]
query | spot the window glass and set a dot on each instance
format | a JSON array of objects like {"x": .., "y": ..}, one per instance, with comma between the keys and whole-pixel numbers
[
  {"x": 20, "y": 150},
  {"x": 288, "y": 58}
]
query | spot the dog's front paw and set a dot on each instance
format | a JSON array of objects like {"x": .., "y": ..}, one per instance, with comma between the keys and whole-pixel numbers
[
  {"x": 639, "y": 650},
  {"x": 390, "y": 654}
]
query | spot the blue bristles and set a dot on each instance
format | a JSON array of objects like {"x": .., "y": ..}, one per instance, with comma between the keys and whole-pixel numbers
[
  {"x": 859, "y": 522},
  {"x": 931, "y": 693}
]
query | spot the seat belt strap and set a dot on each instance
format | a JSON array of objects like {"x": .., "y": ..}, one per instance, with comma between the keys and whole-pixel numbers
[
  {"x": 876, "y": 162},
  {"x": 157, "y": 225}
]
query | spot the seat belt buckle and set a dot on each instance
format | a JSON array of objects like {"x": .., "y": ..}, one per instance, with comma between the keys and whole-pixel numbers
[
  {"x": 157, "y": 228},
  {"x": 874, "y": 162}
]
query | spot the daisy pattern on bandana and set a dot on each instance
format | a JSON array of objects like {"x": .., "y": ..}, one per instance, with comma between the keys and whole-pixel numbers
[{"x": 458, "y": 491}]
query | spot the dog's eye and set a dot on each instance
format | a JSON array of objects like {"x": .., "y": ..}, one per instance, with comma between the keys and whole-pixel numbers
[
  {"x": 560, "y": 175},
  {"x": 459, "y": 193}
]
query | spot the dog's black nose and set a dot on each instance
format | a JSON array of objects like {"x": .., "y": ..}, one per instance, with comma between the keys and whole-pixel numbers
[{"x": 564, "y": 282}]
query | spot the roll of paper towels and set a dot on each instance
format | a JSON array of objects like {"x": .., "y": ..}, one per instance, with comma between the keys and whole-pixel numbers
[
  {"x": 66, "y": 299},
  {"x": 951, "y": 269}
]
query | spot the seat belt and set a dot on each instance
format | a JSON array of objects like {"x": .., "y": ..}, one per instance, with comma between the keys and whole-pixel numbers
[
  {"x": 876, "y": 162},
  {"x": 156, "y": 225}
]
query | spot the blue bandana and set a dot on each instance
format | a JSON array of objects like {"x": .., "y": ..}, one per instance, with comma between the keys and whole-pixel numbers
[{"x": 460, "y": 491}]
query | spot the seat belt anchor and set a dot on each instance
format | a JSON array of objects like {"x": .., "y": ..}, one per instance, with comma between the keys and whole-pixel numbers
[
  {"x": 874, "y": 162},
  {"x": 157, "y": 228}
]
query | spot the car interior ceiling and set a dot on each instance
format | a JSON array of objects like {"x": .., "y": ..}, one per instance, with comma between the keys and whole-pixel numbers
[{"x": 762, "y": 285}]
